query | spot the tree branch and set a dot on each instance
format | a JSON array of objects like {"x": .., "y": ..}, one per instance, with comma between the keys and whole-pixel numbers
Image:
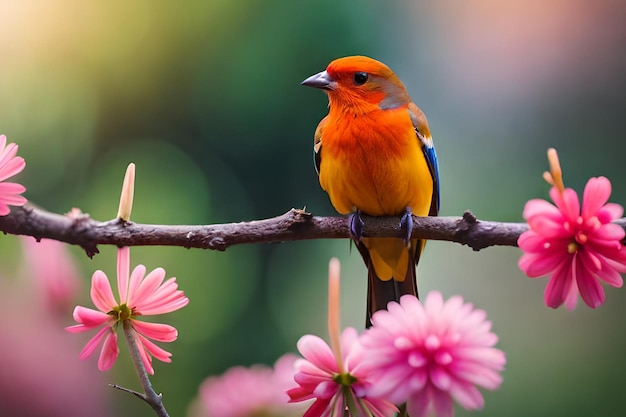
[{"x": 80, "y": 229}]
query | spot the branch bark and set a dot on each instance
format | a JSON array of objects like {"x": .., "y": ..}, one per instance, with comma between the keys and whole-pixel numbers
[{"x": 81, "y": 230}]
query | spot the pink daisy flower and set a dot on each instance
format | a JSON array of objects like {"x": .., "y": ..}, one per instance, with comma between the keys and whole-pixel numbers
[
  {"x": 264, "y": 387},
  {"x": 10, "y": 165},
  {"x": 139, "y": 295},
  {"x": 430, "y": 354},
  {"x": 333, "y": 376},
  {"x": 577, "y": 246}
]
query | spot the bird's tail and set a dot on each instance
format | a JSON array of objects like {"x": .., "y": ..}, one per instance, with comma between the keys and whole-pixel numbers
[{"x": 380, "y": 291}]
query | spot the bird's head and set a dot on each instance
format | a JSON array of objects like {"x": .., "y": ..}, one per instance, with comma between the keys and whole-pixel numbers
[{"x": 361, "y": 84}]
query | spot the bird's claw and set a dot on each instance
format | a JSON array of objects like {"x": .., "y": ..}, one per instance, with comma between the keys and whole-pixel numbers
[
  {"x": 406, "y": 224},
  {"x": 356, "y": 225}
]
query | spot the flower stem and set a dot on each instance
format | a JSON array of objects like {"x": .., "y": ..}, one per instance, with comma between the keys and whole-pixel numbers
[{"x": 149, "y": 395}]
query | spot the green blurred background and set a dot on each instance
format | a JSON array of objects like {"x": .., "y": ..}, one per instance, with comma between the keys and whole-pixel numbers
[{"x": 205, "y": 98}]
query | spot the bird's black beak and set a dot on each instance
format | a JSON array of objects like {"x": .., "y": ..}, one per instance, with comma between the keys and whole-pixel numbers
[{"x": 320, "y": 80}]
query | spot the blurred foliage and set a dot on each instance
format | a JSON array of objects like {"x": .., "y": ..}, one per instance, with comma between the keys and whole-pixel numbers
[{"x": 204, "y": 97}]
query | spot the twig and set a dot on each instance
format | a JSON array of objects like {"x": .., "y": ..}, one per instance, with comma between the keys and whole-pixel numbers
[
  {"x": 295, "y": 224},
  {"x": 128, "y": 390}
]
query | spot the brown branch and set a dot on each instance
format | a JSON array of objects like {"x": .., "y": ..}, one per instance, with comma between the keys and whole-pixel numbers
[{"x": 296, "y": 224}]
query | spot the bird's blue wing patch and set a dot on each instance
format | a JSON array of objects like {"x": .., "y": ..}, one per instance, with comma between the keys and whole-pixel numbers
[
  {"x": 433, "y": 165},
  {"x": 418, "y": 119}
]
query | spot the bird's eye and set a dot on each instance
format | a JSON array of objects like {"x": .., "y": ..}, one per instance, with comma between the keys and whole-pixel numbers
[{"x": 360, "y": 78}]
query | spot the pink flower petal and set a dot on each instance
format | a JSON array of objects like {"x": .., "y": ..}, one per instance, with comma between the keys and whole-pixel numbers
[
  {"x": 317, "y": 408},
  {"x": 554, "y": 292},
  {"x": 77, "y": 328},
  {"x": 146, "y": 359},
  {"x": 609, "y": 232},
  {"x": 610, "y": 275},
  {"x": 157, "y": 331},
  {"x": 299, "y": 394},
  {"x": 90, "y": 318},
  {"x": 101, "y": 293},
  {"x": 596, "y": 194},
  {"x": 547, "y": 228},
  {"x": 135, "y": 281},
  {"x": 610, "y": 212},
  {"x": 531, "y": 241},
  {"x": 316, "y": 351},
  {"x": 419, "y": 405},
  {"x": 11, "y": 190},
  {"x": 148, "y": 285},
  {"x": 380, "y": 408},
  {"x": 164, "y": 299},
  {"x": 538, "y": 207},
  {"x": 442, "y": 402},
  {"x": 567, "y": 203},
  {"x": 12, "y": 199},
  {"x": 123, "y": 269},
  {"x": 468, "y": 396},
  {"x": 6, "y": 151},
  {"x": 616, "y": 259},
  {"x": 536, "y": 265},
  {"x": 173, "y": 303},
  {"x": 109, "y": 352},
  {"x": 161, "y": 295},
  {"x": 309, "y": 374},
  {"x": 9, "y": 196},
  {"x": 154, "y": 350},
  {"x": 12, "y": 167},
  {"x": 396, "y": 383},
  {"x": 482, "y": 376},
  {"x": 94, "y": 342},
  {"x": 590, "y": 289},
  {"x": 589, "y": 261},
  {"x": 440, "y": 378}
]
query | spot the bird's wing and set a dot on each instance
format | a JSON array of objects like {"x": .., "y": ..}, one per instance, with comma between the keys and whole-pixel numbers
[
  {"x": 317, "y": 145},
  {"x": 423, "y": 133}
]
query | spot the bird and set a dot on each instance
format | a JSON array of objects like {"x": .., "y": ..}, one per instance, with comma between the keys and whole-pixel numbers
[{"x": 374, "y": 156}]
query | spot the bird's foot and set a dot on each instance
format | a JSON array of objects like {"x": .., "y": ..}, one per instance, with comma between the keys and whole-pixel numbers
[
  {"x": 406, "y": 224},
  {"x": 356, "y": 225}
]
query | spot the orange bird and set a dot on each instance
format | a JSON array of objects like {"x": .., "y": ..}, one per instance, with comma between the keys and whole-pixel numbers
[{"x": 374, "y": 155}]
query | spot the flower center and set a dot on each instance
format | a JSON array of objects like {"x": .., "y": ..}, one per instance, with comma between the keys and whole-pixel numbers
[
  {"x": 580, "y": 238},
  {"x": 121, "y": 312},
  {"x": 572, "y": 247},
  {"x": 345, "y": 379},
  {"x": 433, "y": 354}
]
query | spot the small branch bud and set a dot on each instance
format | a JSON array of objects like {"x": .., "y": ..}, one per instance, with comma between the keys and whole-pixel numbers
[{"x": 128, "y": 191}]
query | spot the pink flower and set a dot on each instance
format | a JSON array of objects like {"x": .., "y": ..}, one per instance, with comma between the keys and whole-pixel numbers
[
  {"x": 319, "y": 376},
  {"x": 430, "y": 354},
  {"x": 10, "y": 165},
  {"x": 333, "y": 376},
  {"x": 140, "y": 295},
  {"x": 53, "y": 272},
  {"x": 263, "y": 388},
  {"x": 577, "y": 246}
]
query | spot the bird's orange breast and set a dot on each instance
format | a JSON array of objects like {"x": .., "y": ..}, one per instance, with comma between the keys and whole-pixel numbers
[{"x": 374, "y": 163}]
